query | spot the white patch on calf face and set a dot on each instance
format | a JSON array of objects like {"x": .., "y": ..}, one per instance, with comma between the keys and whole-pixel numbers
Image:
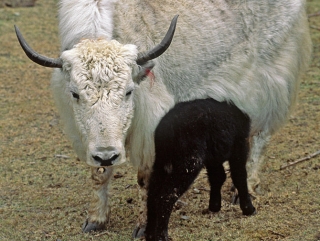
[{"x": 100, "y": 92}]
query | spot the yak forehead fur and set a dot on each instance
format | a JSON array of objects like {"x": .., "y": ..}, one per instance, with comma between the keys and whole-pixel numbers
[{"x": 100, "y": 74}]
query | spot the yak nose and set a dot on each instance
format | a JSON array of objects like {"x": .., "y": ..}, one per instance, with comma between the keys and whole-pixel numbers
[{"x": 106, "y": 155}]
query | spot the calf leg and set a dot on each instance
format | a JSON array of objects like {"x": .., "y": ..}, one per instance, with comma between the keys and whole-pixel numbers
[
  {"x": 164, "y": 190},
  {"x": 217, "y": 177},
  {"x": 99, "y": 209},
  {"x": 238, "y": 171}
]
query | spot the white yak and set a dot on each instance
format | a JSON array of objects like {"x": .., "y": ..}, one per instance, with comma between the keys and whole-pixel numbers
[{"x": 248, "y": 52}]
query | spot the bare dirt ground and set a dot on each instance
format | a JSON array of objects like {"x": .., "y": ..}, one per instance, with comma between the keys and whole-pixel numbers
[{"x": 45, "y": 191}]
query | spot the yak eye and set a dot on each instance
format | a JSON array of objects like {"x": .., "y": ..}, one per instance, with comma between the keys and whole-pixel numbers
[
  {"x": 75, "y": 95},
  {"x": 129, "y": 93}
]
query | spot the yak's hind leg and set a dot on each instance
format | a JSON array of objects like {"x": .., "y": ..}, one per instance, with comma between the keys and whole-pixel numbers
[
  {"x": 255, "y": 160},
  {"x": 237, "y": 163},
  {"x": 166, "y": 185},
  {"x": 217, "y": 177},
  {"x": 99, "y": 209}
]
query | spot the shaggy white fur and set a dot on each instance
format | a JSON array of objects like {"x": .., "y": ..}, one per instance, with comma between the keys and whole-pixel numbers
[{"x": 80, "y": 19}]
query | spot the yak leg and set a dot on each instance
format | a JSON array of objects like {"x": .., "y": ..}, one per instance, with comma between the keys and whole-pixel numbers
[
  {"x": 99, "y": 209},
  {"x": 255, "y": 160},
  {"x": 143, "y": 181}
]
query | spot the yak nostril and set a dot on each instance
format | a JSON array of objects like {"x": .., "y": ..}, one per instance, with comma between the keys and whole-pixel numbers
[
  {"x": 97, "y": 158},
  {"x": 114, "y": 157}
]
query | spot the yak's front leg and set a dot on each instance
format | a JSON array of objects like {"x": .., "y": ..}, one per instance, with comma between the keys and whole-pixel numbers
[
  {"x": 143, "y": 181},
  {"x": 99, "y": 209}
]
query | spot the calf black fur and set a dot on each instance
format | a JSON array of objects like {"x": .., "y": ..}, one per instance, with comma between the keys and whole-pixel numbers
[{"x": 193, "y": 135}]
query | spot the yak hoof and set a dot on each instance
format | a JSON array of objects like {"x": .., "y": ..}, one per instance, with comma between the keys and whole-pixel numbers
[
  {"x": 139, "y": 232},
  {"x": 235, "y": 198},
  {"x": 92, "y": 226}
]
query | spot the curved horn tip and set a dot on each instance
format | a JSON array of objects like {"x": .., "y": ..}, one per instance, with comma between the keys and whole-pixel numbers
[
  {"x": 16, "y": 29},
  {"x": 162, "y": 47},
  {"x": 34, "y": 56},
  {"x": 175, "y": 17}
]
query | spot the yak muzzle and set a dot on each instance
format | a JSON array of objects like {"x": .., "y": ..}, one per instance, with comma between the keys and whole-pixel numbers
[{"x": 106, "y": 156}]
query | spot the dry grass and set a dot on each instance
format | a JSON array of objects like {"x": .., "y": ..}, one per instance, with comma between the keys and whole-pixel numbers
[{"x": 44, "y": 197}]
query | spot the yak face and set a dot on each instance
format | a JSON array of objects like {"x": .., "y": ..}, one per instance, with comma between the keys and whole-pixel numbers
[
  {"x": 99, "y": 88},
  {"x": 100, "y": 93}
]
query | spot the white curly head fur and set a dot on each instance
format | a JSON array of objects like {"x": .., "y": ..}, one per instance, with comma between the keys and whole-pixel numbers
[{"x": 99, "y": 85}]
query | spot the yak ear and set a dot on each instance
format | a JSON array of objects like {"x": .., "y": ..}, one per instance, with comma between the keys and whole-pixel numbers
[{"x": 144, "y": 71}]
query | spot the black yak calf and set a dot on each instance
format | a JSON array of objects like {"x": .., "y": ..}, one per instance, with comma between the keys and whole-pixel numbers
[{"x": 193, "y": 135}]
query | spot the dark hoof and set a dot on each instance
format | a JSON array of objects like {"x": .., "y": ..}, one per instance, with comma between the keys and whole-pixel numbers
[
  {"x": 249, "y": 211},
  {"x": 92, "y": 226},
  {"x": 215, "y": 207},
  {"x": 139, "y": 232}
]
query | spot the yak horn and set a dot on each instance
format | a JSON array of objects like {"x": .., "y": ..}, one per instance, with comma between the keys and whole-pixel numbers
[
  {"x": 160, "y": 48},
  {"x": 34, "y": 56}
]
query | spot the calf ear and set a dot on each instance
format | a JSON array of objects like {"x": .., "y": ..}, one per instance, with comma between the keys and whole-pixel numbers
[{"x": 144, "y": 71}]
